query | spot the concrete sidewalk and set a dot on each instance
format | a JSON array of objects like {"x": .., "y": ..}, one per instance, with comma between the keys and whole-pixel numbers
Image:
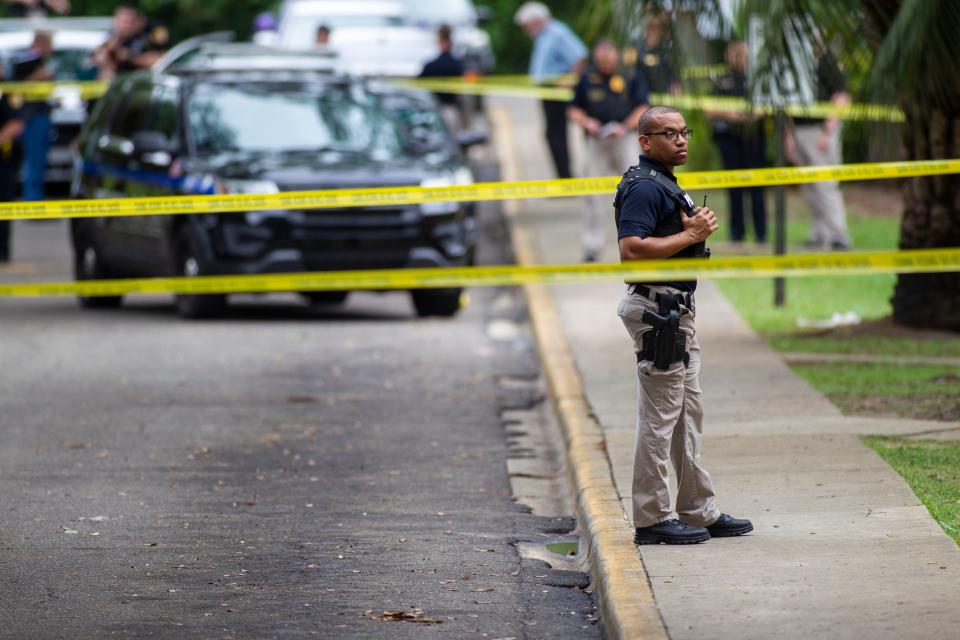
[{"x": 842, "y": 547}]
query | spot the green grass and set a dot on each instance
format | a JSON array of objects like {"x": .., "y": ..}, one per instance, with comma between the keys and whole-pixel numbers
[
  {"x": 867, "y": 344},
  {"x": 907, "y": 391},
  {"x": 932, "y": 469},
  {"x": 818, "y": 298}
]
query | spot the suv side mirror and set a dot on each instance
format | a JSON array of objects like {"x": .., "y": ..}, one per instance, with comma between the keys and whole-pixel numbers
[
  {"x": 153, "y": 147},
  {"x": 150, "y": 142},
  {"x": 467, "y": 139}
]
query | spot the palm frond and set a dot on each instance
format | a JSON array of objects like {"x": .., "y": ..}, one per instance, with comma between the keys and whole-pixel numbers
[{"x": 917, "y": 61}]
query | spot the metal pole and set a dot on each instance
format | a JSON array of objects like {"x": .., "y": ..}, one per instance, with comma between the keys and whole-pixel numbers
[{"x": 780, "y": 246}]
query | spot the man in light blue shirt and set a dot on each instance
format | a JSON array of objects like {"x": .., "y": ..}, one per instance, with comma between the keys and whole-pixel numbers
[{"x": 556, "y": 51}]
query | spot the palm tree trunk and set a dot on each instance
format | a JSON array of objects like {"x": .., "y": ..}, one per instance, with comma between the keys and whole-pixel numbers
[{"x": 931, "y": 218}]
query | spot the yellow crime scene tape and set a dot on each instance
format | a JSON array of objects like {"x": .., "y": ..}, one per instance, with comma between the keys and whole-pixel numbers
[
  {"x": 481, "y": 191},
  {"x": 858, "y": 111},
  {"x": 515, "y": 86},
  {"x": 43, "y": 90},
  {"x": 915, "y": 261}
]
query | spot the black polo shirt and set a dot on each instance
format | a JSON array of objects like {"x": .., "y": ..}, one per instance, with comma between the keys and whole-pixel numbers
[
  {"x": 830, "y": 80},
  {"x": 444, "y": 65},
  {"x": 609, "y": 97},
  {"x": 647, "y": 210}
]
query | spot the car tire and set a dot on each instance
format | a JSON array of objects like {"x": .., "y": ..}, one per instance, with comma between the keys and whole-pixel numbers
[
  {"x": 88, "y": 265},
  {"x": 319, "y": 298},
  {"x": 189, "y": 264},
  {"x": 436, "y": 302}
]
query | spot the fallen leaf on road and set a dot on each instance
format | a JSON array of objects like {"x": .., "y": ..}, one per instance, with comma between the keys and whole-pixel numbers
[
  {"x": 481, "y": 589},
  {"x": 408, "y": 616},
  {"x": 78, "y": 445},
  {"x": 102, "y": 455}
]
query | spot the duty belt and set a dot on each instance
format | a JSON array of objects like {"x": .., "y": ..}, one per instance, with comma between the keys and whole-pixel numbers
[{"x": 648, "y": 293}]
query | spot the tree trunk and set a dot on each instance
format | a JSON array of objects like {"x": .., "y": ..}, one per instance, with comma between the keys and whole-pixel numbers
[{"x": 931, "y": 218}]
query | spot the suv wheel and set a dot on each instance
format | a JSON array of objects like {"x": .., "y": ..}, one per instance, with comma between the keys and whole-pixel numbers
[
  {"x": 190, "y": 265},
  {"x": 87, "y": 265},
  {"x": 436, "y": 302}
]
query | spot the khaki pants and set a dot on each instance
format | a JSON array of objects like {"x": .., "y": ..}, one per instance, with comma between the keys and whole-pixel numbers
[
  {"x": 828, "y": 218},
  {"x": 669, "y": 427},
  {"x": 604, "y": 157}
]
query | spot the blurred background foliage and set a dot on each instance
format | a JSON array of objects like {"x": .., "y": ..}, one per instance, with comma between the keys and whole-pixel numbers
[{"x": 620, "y": 20}]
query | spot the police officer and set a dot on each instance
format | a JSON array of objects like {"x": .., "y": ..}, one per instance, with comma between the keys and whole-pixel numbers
[
  {"x": 446, "y": 65},
  {"x": 740, "y": 138},
  {"x": 656, "y": 220},
  {"x": 11, "y": 126},
  {"x": 607, "y": 103},
  {"x": 135, "y": 43}
]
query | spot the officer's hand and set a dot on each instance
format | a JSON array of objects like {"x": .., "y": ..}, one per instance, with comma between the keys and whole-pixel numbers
[
  {"x": 591, "y": 126},
  {"x": 701, "y": 225},
  {"x": 823, "y": 142}
]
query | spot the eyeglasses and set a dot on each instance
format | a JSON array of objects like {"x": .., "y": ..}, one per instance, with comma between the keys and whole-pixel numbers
[{"x": 671, "y": 135}]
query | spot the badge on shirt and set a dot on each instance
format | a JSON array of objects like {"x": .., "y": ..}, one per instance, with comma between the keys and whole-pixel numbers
[
  {"x": 651, "y": 60},
  {"x": 159, "y": 37},
  {"x": 596, "y": 95},
  {"x": 688, "y": 200},
  {"x": 616, "y": 83},
  {"x": 630, "y": 56}
]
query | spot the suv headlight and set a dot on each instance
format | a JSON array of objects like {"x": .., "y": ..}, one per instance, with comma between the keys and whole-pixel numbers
[
  {"x": 249, "y": 187},
  {"x": 461, "y": 176}
]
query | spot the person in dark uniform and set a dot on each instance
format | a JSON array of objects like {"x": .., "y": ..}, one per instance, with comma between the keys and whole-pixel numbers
[
  {"x": 31, "y": 66},
  {"x": 446, "y": 65},
  {"x": 656, "y": 220},
  {"x": 607, "y": 103},
  {"x": 653, "y": 58},
  {"x": 742, "y": 143},
  {"x": 11, "y": 126},
  {"x": 135, "y": 43},
  {"x": 816, "y": 141}
]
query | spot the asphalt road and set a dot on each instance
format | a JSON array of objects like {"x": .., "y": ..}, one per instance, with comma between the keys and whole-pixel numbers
[{"x": 283, "y": 472}]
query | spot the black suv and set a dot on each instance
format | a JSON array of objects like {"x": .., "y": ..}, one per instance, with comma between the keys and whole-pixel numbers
[{"x": 267, "y": 131}]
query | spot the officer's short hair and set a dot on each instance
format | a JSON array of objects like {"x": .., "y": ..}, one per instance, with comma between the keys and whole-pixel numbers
[
  {"x": 445, "y": 33},
  {"x": 643, "y": 125},
  {"x": 531, "y": 12}
]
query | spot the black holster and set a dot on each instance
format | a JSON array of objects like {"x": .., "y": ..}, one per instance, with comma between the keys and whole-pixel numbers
[{"x": 665, "y": 343}]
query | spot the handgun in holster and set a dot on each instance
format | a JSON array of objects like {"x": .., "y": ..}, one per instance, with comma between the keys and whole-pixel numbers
[{"x": 665, "y": 344}]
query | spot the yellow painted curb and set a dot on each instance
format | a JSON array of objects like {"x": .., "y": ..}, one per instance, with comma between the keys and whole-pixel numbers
[{"x": 627, "y": 607}]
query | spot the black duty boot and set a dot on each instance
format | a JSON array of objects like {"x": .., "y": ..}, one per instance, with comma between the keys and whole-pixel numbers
[
  {"x": 670, "y": 532},
  {"x": 728, "y": 527}
]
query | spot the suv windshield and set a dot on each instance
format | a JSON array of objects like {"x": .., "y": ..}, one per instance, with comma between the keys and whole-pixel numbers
[{"x": 282, "y": 118}]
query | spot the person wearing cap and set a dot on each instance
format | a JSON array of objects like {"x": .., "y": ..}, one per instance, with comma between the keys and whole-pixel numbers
[
  {"x": 556, "y": 51},
  {"x": 135, "y": 43},
  {"x": 607, "y": 103}
]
